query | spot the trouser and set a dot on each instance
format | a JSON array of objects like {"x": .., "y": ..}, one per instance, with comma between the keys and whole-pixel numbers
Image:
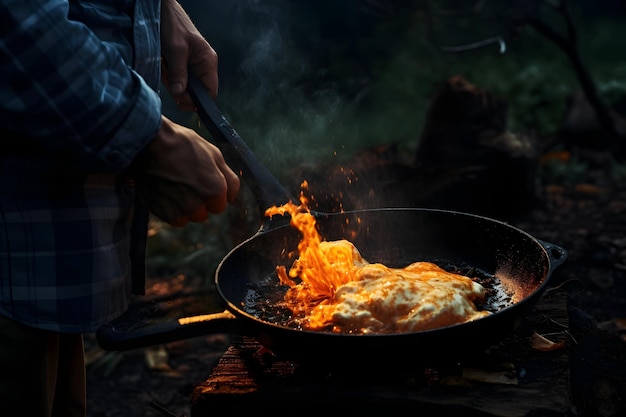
[{"x": 42, "y": 373}]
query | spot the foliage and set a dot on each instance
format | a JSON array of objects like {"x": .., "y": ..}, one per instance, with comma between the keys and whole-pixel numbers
[
  {"x": 194, "y": 250},
  {"x": 563, "y": 172}
]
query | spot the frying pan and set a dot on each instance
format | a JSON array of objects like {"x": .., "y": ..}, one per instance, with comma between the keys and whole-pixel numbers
[{"x": 392, "y": 236}]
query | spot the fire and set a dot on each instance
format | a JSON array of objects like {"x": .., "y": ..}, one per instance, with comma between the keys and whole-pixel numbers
[
  {"x": 322, "y": 266},
  {"x": 333, "y": 287}
]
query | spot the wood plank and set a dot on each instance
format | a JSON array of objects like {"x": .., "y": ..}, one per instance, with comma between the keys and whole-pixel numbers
[{"x": 520, "y": 380}]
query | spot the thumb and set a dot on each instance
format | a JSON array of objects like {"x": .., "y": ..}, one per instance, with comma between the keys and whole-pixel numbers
[{"x": 176, "y": 80}]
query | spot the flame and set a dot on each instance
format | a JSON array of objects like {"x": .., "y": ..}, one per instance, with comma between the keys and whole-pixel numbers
[
  {"x": 322, "y": 266},
  {"x": 331, "y": 285}
]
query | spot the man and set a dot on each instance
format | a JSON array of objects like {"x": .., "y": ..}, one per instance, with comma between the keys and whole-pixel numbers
[{"x": 85, "y": 155}]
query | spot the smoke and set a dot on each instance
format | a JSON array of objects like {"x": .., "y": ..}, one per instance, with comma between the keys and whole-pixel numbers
[
  {"x": 271, "y": 90},
  {"x": 263, "y": 60},
  {"x": 296, "y": 79}
]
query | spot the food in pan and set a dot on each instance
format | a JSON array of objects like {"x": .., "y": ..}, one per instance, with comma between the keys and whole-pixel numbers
[{"x": 331, "y": 287}]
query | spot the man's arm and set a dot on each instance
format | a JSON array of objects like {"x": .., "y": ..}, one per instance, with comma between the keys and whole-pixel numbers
[{"x": 67, "y": 92}]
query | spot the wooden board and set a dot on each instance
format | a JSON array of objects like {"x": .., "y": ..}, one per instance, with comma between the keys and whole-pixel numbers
[{"x": 511, "y": 380}]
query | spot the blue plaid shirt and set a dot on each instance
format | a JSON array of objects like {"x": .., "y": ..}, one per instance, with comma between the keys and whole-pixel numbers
[{"x": 78, "y": 101}]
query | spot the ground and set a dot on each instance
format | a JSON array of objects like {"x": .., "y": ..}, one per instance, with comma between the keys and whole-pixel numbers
[{"x": 587, "y": 217}]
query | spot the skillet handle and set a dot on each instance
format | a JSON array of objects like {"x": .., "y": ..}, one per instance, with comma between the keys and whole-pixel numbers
[
  {"x": 266, "y": 188},
  {"x": 124, "y": 334},
  {"x": 557, "y": 254}
]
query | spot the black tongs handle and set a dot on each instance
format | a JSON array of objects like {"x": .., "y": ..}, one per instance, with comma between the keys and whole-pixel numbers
[{"x": 264, "y": 185}]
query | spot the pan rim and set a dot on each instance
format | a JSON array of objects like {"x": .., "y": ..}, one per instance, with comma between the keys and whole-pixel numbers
[{"x": 544, "y": 246}]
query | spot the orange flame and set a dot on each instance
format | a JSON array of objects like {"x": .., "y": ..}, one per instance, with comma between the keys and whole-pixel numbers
[
  {"x": 420, "y": 296},
  {"x": 322, "y": 267}
]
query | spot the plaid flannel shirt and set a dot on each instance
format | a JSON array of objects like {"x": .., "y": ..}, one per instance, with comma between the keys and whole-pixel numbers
[{"x": 78, "y": 101}]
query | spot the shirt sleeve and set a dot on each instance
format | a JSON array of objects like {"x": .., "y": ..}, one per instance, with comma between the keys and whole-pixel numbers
[{"x": 67, "y": 92}]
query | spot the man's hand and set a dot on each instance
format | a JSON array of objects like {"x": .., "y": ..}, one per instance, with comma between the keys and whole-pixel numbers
[
  {"x": 183, "y": 49},
  {"x": 181, "y": 177}
]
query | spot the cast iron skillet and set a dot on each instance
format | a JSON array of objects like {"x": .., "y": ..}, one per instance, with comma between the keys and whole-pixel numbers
[{"x": 393, "y": 236}]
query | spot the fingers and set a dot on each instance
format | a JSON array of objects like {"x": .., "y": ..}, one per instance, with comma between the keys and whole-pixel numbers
[
  {"x": 214, "y": 206},
  {"x": 222, "y": 195},
  {"x": 233, "y": 186},
  {"x": 218, "y": 203},
  {"x": 205, "y": 67},
  {"x": 232, "y": 180},
  {"x": 174, "y": 69},
  {"x": 175, "y": 73},
  {"x": 175, "y": 80},
  {"x": 183, "y": 49}
]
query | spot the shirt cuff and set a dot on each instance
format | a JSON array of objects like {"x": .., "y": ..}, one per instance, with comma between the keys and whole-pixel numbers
[{"x": 139, "y": 128}]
